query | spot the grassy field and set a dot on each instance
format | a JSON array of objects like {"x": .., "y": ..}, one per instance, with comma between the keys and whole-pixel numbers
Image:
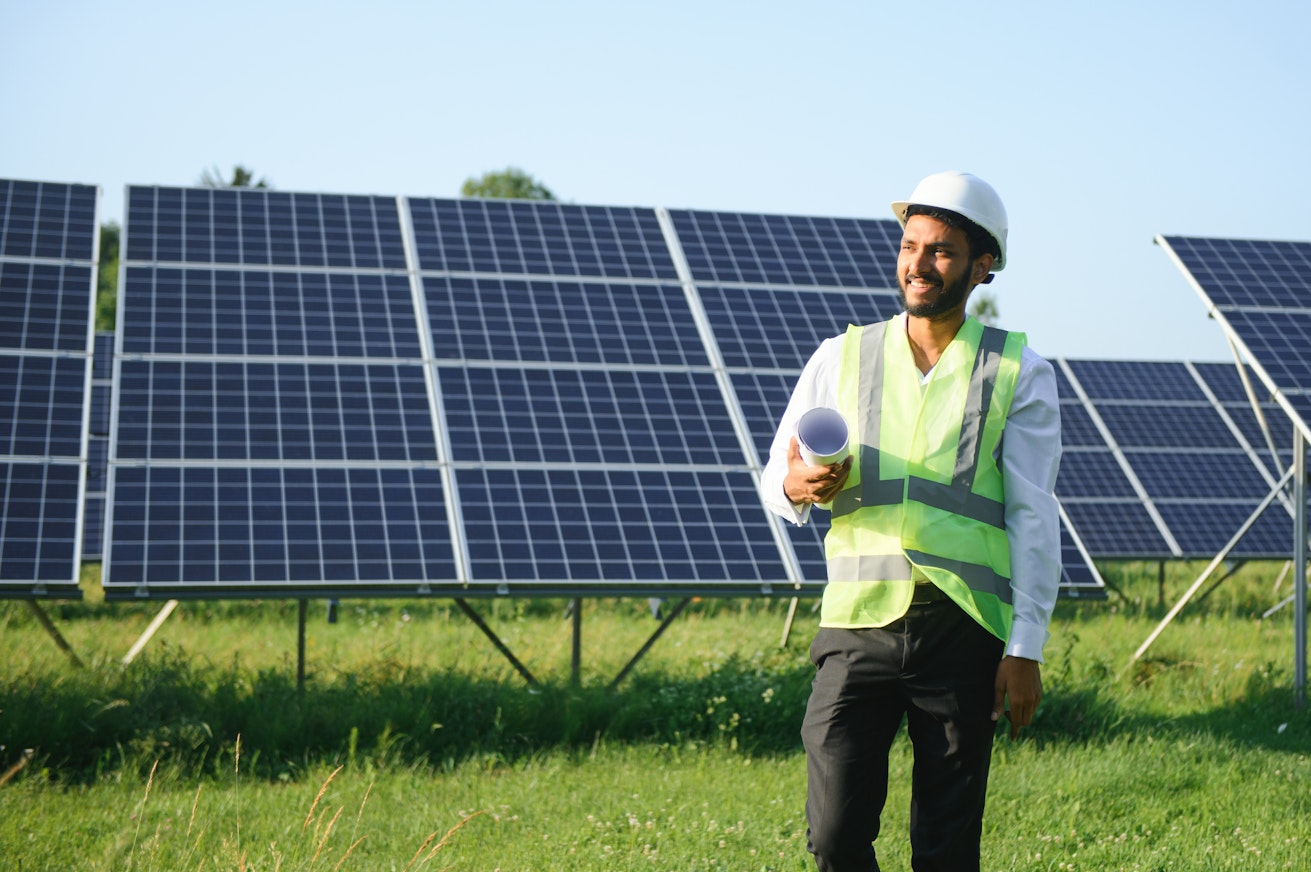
[{"x": 414, "y": 744}]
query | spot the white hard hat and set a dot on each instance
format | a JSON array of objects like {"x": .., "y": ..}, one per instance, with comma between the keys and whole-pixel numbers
[{"x": 964, "y": 194}]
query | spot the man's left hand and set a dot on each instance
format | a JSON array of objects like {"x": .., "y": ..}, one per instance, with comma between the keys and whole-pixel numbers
[{"x": 1019, "y": 682}]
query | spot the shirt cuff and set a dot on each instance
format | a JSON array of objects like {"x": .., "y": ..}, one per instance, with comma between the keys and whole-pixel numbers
[{"x": 1027, "y": 640}]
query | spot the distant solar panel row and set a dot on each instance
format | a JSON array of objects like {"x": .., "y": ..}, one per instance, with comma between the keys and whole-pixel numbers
[
  {"x": 1176, "y": 474},
  {"x": 47, "y": 282}
]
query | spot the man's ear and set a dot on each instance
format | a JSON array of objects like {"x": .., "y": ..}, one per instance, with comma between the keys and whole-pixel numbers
[{"x": 981, "y": 267}]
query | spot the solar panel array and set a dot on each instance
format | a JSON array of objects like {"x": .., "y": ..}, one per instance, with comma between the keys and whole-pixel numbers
[
  {"x": 48, "y": 250},
  {"x": 1166, "y": 460},
  {"x": 322, "y": 394}
]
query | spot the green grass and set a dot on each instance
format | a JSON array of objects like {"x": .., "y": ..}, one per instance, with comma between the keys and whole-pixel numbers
[{"x": 415, "y": 745}]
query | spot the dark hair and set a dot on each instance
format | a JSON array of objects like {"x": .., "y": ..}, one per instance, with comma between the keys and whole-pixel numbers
[{"x": 981, "y": 241}]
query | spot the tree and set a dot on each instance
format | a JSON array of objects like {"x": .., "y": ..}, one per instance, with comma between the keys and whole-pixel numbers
[
  {"x": 984, "y": 309},
  {"x": 107, "y": 277},
  {"x": 241, "y": 178},
  {"x": 511, "y": 183}
]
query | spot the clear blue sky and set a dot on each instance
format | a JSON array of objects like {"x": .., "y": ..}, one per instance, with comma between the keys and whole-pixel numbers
[{"x": 1101, "y": 124}]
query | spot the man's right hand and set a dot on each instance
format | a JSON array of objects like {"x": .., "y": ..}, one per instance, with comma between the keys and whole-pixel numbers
[{"x": 812, "y": 484}]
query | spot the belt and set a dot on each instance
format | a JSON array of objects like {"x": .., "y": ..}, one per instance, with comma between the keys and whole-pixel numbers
[{"x": 927, "y": 592}]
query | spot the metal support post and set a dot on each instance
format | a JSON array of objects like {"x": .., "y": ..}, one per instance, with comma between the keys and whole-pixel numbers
[
  {"x": 302, "y": 609},
  {"x": 576, "y": 654},
  {"x": 1299, "y": 567}
]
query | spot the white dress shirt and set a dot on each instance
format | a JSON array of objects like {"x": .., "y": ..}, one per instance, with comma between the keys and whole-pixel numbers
[{"x": 1029, "y": 457}]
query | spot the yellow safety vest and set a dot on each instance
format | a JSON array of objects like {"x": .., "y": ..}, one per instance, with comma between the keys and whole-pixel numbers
[{"x": 924, "y": 496}]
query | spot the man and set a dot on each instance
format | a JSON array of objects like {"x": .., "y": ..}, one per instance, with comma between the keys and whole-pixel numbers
[{"x": 943, "y": 555}]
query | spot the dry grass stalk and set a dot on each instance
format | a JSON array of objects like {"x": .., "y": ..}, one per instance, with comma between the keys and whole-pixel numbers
[
  {"x": 449, "y": 835},
  {"x": 318, "y": 796},
  {"x": 348, "y": 852},
  {"x": 323, "y": 841},
  {"x": 141, "y": 812}
]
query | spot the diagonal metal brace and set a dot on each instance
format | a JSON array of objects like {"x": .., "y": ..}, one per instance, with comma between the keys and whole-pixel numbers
[
  {"x": 496, "y": 640},
  {"x": 664, "y": 625}
]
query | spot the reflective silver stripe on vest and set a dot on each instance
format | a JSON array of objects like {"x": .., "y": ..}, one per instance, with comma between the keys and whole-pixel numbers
[
  {"x": 869, "y": 567},
  {"x": 981, "y": 579},
  {"x": 873, "y": 491},
  {"x": 983, "y": 379}
]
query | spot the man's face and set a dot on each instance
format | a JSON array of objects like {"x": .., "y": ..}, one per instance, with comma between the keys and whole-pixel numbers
[{"x": 934, "y": 270}]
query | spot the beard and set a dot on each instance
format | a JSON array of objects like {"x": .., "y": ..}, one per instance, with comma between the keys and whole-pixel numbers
[{"x": 951, "y": 296}]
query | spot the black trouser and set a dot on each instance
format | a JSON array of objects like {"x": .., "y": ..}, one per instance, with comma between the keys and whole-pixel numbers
[{"x": 936, "y": 667}]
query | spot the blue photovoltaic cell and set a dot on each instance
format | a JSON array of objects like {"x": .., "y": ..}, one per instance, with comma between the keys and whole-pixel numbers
[
  {"x": 562, "y": 322},
  {"x": 1213, "y": 476},
  {"x": 101, "y": 398},
  {"x": 1077, "y": 427},
  {"x": 781, "y": 328},
  {"x": 47, "y": 220},
  {"x": 102, "y": 360},
  {"x": 1077, "y": 577},
  {"x": 1136, "y": 380},
  {"x": 41, "y": 405},
  {"x": 93, "y": 526},
  {"x": 38, "y": 522},
  {"x": 519, "y": 237},
  {"x": 1119, "y": 528},
  {"x": 788, "y": 250},
  {"x": 1195, "y": 526},
  {"x": 258, "y": 312},
  {"x": 650, "y": 527},
  {"x": 1195, "y": 425},
  {"x": 262, "y": 528},
  {"x": 45, "y": 307},
  {"x": 808, "y": 545},
  {"x": 1092, "y": 475},
  {"x": 205, "y": 410},
  {"x": 1227, "y": 385},
  {"x": 1280, "y": 342},
  {"x": 763, "y": 397},
  {"x": 97, "y": 467},
  {"x": 1242, "y": 273},
  {"x": 257, "y": 227},
  {"x": 587, "y": 416}
]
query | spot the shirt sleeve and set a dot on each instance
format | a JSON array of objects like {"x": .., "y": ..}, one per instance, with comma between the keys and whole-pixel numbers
[
  {"x": 1030, "y": 459},
  {"x": 817, "y": 386}
]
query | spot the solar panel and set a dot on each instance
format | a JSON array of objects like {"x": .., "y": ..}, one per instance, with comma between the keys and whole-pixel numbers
[
  {"x": 1173, "y": 474},
  {"x": 47, "y": 285},
  {"x": 273, "y": 427},
  {"x": 1260, "y": 293}
]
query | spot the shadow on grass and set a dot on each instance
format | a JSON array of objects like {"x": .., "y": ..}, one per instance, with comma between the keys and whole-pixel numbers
[
  {"x": 1266, "y": 717},
  {"x": 188, "y": 714}
]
